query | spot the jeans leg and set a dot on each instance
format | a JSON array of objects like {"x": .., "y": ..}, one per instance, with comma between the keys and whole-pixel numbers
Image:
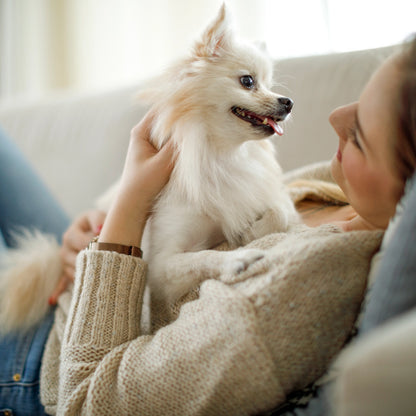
[
  {"x": 21, "y": 355},
  {"x": 3, "y": 245},
  {"x": 25, "y": 201}
]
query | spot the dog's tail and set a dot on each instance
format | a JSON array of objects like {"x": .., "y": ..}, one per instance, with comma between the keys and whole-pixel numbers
[{"x": 28, "y": 276}]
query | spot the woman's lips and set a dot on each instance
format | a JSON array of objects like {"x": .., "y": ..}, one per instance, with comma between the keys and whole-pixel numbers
[{"x": 339, "y": 155}]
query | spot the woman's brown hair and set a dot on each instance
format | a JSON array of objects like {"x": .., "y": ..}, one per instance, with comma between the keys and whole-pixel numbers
[{"x": 405, "y": 147}]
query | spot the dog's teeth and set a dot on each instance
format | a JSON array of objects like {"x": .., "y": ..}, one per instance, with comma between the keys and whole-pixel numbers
[{"x": 266, "y": 121}]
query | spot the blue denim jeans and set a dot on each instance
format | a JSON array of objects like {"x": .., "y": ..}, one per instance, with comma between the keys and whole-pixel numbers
[
  {"x": 21, "y": 356},
  {"x": 25, "y": 202}
]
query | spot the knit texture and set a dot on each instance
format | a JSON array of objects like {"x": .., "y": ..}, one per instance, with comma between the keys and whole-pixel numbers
[{"x": 236, "y": 346}]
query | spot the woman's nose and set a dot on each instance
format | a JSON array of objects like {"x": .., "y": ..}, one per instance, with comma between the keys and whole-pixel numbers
[{"x": 342, "y": 119}]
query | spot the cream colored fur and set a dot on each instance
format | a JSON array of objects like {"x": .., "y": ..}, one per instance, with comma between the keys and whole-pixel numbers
[
  {"x": 28, "y": 274},
  {"x": 226, "y": 183}
]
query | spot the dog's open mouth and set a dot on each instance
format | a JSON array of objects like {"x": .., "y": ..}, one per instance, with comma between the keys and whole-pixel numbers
[{"x": 268, "y": 123}]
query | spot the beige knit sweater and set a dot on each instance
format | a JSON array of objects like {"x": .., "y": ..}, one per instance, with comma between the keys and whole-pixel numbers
[{"x": 236, "y": 347}]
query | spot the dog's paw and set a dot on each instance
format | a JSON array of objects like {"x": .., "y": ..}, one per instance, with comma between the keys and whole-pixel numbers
[
  {"x": 271, "y": 222},
  {"x": 239, "y": 261}
]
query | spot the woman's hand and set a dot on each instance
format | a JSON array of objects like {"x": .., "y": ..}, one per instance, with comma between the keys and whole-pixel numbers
[
  {"x": 146, "y": 172},
  {"x": 75, "y": 239}
]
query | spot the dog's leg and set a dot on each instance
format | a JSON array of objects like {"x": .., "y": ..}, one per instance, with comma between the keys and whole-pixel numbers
[
  {"x": 274, "y": 220},
  {"x": 185, "y": 271}
]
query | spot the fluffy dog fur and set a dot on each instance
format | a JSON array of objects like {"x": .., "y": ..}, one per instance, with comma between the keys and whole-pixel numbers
[{"x": 226, "y": 183}]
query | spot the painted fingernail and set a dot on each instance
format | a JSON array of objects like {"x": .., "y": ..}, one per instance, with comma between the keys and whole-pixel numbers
[
  {"x": 98, "y": 229},
  {"x": 52, "y": 301}
]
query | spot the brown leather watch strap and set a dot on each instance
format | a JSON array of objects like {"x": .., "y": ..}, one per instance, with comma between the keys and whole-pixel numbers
[{"x": 118, "y": 248}]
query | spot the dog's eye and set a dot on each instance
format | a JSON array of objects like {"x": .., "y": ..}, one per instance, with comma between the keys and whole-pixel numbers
[{"x": 247, "y": 81}]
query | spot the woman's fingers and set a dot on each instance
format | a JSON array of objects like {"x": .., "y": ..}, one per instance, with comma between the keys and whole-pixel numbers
[
  {"x": 75, "y": 239},
  {"x": 59, "y": 289},
  {"x": 68, "y": 262},
  {"x": 80, "y": 233},
  {"x": 95, "y": 221},
  {"x": 167, "y": 155},
  {"x": 144, "y": 127},
  {"x": 69, "y": 271}
]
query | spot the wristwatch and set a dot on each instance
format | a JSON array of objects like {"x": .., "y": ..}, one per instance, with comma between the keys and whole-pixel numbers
[{"x": 118, "y": 248}]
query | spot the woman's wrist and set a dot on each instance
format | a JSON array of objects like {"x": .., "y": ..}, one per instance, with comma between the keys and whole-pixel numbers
[
  {"x": 124, "y": 224},
  {"x": 146, "y": 172}
]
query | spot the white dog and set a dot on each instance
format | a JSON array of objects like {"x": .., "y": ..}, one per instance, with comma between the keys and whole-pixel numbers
[{"x": 226, "y": 185}]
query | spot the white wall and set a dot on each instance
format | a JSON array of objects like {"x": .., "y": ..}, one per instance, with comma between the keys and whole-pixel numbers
[{"x": 97, "y": 44}]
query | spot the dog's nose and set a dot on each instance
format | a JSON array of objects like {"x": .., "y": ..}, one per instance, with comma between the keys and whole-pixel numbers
[{"x": 286, "y": 102}]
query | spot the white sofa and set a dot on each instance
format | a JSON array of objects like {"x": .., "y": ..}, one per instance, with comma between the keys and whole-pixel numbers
[{"x": 77, "y": 142}]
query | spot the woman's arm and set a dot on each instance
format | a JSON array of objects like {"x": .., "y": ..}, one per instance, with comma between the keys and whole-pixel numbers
[
  {"x": 145, "y": 173},
  {"x": 211, "y": 360}
]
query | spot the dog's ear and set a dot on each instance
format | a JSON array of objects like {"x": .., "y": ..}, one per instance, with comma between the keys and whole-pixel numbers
[{"x": 217, "y": 37}]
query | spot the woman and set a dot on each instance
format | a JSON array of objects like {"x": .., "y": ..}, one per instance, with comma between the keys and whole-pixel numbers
[{"x": 247, "y": 340}]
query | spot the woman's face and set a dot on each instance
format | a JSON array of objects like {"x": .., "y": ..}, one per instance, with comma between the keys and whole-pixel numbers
[{"x": 364, "y": 164}]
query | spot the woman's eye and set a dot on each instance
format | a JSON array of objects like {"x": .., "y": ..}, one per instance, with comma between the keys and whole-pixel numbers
[
  {"x": 357, "y": 143},
  {"x": 354, "y": 139},
  {"x": 247, "y": 81}
]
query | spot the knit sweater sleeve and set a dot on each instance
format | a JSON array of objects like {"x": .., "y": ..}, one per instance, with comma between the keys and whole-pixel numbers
[{"x": 208, "y": 361}]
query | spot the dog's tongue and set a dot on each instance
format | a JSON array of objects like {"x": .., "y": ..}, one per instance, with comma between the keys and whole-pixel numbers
[{"x": 276, "y": 127}]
